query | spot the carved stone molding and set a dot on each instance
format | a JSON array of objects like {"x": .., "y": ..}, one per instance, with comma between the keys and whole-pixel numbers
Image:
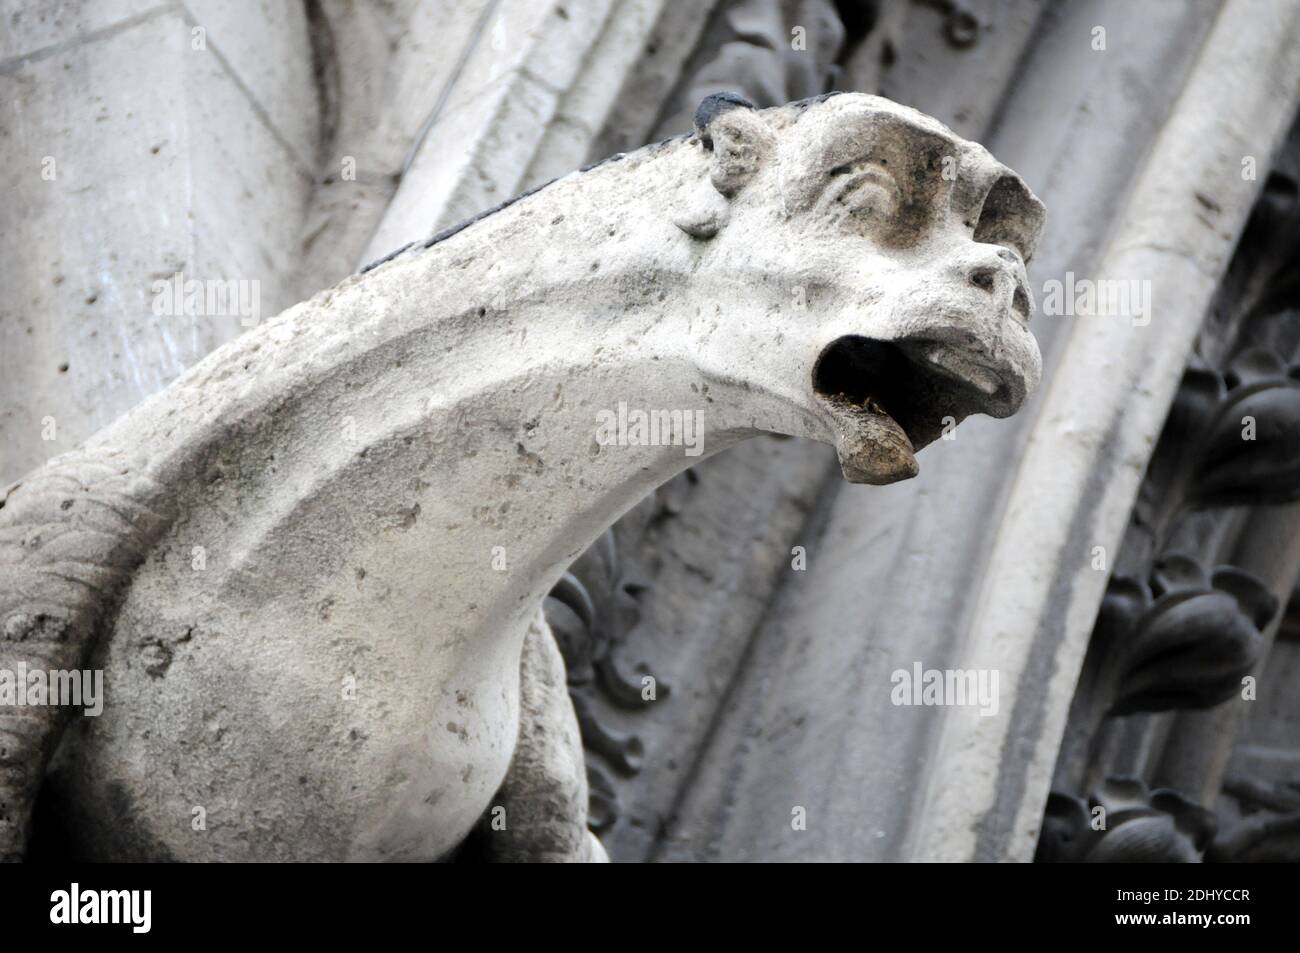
[
  {"x": 1173, "y": 635},
  {"x": 1076, "y": 478}
]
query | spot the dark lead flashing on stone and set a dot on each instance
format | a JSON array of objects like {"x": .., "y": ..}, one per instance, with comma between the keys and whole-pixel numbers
[
  {"x": 387, "y": 258},
  {"x": 803, "y": 104},
  {"x": 448, "y": 232},
  {"x": 616, "y": 157},
  {"x": 452, "y": 230}
]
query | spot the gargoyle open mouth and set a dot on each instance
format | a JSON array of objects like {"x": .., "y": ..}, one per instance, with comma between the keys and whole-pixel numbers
[{"x": 889, "y": 400}]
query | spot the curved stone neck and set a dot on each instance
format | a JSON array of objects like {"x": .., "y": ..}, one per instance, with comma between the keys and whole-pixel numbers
[{"x": 486, "y": 408}]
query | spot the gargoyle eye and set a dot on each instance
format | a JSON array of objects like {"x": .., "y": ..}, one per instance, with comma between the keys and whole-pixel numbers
[{"x": 1010, "y": 217}]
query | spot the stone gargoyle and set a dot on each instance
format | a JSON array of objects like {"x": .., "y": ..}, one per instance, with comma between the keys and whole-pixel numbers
[{"x": 311, "y": 570}]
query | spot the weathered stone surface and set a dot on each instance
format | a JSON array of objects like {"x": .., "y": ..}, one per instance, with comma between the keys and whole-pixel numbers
[
  {"x": 482, "y": 137},
  {"x": 374, "y": 491},
  {"x": 113, "y": 116}
]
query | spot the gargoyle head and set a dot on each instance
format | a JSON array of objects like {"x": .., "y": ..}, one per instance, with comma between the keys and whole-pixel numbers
[{"x": 902, "y": 251}]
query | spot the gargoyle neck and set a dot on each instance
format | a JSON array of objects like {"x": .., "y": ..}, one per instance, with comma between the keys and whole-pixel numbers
[
  {"x": 543, "y": 401},
  {"x": 492, "y": 413},
  {"x": 570, "y": 400}
]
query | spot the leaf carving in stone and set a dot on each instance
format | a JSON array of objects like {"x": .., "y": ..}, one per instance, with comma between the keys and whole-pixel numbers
[
  {"x": 1251, "y": 452},
  {"x": 1192, "y": 645},
  {"x": 1125, "y": 822}
]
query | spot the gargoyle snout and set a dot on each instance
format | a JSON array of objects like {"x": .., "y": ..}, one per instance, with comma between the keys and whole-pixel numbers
[
  {"x": 967, "y": 320},
  {"x": 1000, "y": 273}
]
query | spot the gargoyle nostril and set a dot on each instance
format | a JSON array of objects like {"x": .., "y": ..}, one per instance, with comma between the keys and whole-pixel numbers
[
  {"x": 1020, "y": 301},
  {"x": 983, "y": 278}
]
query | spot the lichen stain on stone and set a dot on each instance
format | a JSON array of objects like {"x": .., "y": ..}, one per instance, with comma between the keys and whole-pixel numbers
[
  {"x": 409, "y": 516},
  {"x": 157, "y": 658}
]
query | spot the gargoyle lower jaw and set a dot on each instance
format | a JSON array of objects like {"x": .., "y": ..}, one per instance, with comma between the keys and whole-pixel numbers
[{"x": 887, "y": 400}]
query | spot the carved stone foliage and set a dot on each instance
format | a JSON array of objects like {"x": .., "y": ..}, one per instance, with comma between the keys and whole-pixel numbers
[
  {"x": 1182, "y": 640},
  {"x": 1125, "y": 821},
  {"x": 1174, "y": 630},
  {"x": 1181, "y": 627},
  {"x": 1268, "y": 829},
  {"x": 1258, "y": 387},
  {"x": 591, "y": 612}
]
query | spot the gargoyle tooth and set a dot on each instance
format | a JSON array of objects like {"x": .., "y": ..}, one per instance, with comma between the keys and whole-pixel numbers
[
  {"x": 981, "y": 378},
  {"x": 985, "y": 381}
]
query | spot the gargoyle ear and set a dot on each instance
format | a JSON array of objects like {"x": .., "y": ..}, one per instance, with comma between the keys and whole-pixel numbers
[{"x": 730, "y": 128}]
